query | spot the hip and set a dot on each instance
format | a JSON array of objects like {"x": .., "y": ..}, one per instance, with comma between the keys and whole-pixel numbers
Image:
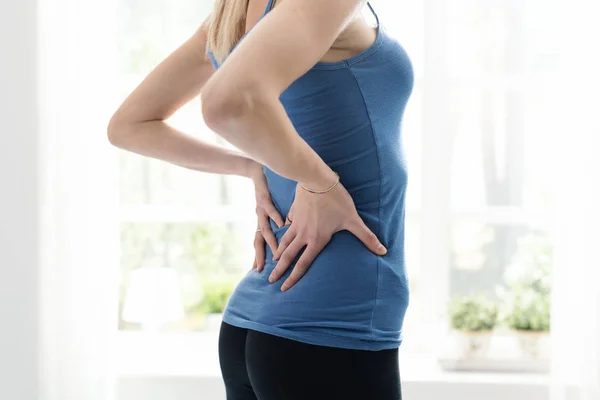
[
  {"x": 327, "y": 372},
  {"x": 347, "y": 289}
]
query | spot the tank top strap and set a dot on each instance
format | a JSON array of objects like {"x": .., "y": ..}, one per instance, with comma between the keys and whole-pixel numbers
[
  {"x": 374, "y": 13},
  {"x": 270, "y": 5}
]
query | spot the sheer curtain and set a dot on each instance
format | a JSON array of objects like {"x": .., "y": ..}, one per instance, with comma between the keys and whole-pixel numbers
[
  {"x": 78, "y": 276},
  {"x": 576, "y": 301}
]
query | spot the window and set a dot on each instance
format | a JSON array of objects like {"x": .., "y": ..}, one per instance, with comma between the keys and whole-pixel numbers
[
  {"x": 479, "y": 197},
  {"x": 480, "y": 183},
  {"x": 197, "y": 224}
]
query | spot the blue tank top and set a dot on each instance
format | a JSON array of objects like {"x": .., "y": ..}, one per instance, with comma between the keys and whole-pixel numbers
[{"x": 350, "y": 113}]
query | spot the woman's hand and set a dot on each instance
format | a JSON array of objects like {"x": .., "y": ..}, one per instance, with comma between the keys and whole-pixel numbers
[
  {"x": 264, "y": 210},
  {"x": 314, "y": 218}
]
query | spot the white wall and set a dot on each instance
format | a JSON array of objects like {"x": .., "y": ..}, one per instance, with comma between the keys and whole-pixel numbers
[{"x": 19, "y": 195}]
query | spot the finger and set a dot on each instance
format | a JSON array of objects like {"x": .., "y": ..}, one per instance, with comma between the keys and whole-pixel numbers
[
  {"x": 285, "y": 241},
  {"x": 286, "y": 259},
  {"x": 253, "y": 265},
  {"x": 274, "y": 214},
  {"x": 259, "y": 251},
  {"x": 365, "y": 235},
  {"x": 267, "y": 233},
  {"x": 303, "y": 264},
  {"x": 288, "y": 217}
]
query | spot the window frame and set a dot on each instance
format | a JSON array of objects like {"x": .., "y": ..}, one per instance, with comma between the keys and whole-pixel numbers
[{"x": 435, "y": 213}]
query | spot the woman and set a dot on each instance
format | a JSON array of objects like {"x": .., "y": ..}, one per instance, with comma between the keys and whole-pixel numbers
[{"x": 314, "y": 97}]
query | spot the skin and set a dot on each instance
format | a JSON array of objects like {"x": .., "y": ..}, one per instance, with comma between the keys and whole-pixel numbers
[{"x": 240, "y": 102}]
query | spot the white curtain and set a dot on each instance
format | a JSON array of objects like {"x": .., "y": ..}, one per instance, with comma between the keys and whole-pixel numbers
[
  {"x": 79, "y": 262},
  {"x": 576, "y": 301}
]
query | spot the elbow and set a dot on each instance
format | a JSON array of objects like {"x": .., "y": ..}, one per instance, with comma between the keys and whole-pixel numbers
[
  {"x": 114, "y": 130},
  {"x": 220, "y": 108},
  {"x": 117, "y": 131},
  {"x": 224, "y": 107}
]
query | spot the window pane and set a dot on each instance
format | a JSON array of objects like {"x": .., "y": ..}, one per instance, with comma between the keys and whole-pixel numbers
[
  {"x": 499, "y": 62},
  {"x": 412, "y": 127},
  {"x": 500, "y": 279},
  {"x": 201, "y": 255},
  {"x": 404, "y": 21},
  {"x": 149, "y": 32},
  {"x": 412, "y": 244},
  {"x": 500, "y": 154},
  {"x": 485, "y": 255},
  {"x": 146, "y": 181},
  {"x": 498, "y": 39}
]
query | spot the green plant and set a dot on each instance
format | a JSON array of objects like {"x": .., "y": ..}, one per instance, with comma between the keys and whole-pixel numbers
[
  {"x": 207, "y": 247},
  {"x": 216, "y": 296},
  {"x": 529, "y": 286},
  {"x": 529, "y": 311},
  {"x": 472, "y": 313}
]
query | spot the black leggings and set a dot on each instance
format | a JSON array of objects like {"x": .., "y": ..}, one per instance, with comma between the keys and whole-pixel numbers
[{"x": 258, "y": 366}]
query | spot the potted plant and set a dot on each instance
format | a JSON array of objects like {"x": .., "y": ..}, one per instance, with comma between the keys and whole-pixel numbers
[
  {"x": 528, "y": 295},
  {"x": 473, "y": 319},
  {"x": 529, "y": 317},
  {"x": 216, "y": 296}
]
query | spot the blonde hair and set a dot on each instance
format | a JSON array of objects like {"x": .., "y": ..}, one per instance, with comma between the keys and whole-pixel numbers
[{"x": 227, "y": 25}]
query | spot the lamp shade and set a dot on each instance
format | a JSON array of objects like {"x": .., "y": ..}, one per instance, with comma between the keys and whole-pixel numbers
[{"x": 153, "y": 297}]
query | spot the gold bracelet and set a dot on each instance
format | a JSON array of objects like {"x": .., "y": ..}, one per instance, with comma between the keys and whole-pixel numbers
[{"x": 323, "y": 191}]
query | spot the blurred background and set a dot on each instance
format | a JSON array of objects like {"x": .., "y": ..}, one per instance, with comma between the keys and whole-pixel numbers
[{"x": 117, "y": 268}]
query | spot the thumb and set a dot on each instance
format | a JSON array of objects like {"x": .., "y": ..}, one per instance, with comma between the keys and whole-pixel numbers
[{"x": 365, "y": 235}]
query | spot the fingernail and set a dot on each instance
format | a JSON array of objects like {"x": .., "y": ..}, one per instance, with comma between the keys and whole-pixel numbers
[
  {"x": 284, "y": 287},
  {"x": 271, "y": 279},
  {"x": 382, "y": 249}
]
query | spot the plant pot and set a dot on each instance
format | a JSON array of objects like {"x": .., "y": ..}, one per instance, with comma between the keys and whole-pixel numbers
[
  {"x": 212, "y": 322},
  {"x": 473, "y": 345},
  {"x": 533, "y": 343}
]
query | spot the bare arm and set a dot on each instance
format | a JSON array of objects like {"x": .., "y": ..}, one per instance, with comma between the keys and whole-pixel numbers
[
  {"x": 241, "y": 100},
  {"x": 139, "y": 123},
  {"x": 241, "y": 103}
]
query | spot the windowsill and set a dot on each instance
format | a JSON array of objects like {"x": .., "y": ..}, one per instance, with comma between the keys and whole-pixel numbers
[{"x": 186, "y": 355}]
